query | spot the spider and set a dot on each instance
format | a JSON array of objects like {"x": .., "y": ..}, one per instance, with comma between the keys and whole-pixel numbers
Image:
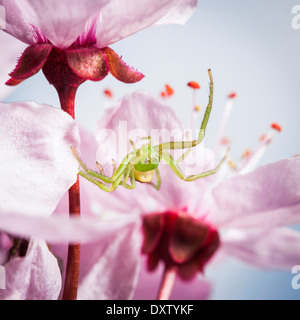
[{"x": 141, "y": 164}]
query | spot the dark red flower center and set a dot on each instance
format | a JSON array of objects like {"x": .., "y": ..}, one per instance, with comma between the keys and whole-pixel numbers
[{"x": 179, "y": 241}]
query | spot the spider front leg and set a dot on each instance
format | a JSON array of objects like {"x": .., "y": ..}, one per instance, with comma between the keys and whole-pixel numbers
[
  {"x": 124, "y": 171},
  {"x": 158, "y": 180},
  {"x": 193, "y": 143},
  {"x": 174, "y": 166}
]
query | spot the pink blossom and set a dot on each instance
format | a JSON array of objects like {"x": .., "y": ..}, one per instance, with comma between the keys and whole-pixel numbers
[
  {"x": 37, "y": 163},
  {"x": 37, "y": 169},
  {"x": 74, "y": 39},
  {"x": 34, "y": 275},
  {"x": 250, "y": 213}
]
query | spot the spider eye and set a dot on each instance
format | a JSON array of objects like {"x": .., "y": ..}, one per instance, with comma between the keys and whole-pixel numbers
[{"x": 146, "y": 161}]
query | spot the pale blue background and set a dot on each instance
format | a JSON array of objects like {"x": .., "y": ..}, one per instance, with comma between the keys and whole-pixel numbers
[{"x": 252, "y": 49}]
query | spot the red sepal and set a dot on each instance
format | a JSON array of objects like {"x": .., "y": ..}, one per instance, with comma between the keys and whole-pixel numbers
[
  {"x": 88, "y": 63},
  {"x": 30, "y": 62},
  {"x": 119, "y": 69}
]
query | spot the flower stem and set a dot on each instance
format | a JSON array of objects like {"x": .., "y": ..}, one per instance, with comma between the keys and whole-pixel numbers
[
  {"x": 167, "y": 284},
  {"x": 67, "y": 100},
  {"x": 73, "y": 262}
]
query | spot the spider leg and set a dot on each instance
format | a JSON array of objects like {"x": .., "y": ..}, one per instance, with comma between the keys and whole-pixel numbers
[
  {"x": 95, "y": 181},
  {"x": 192, "y": 143},
  {"x": 97, "y": 178},
  {"x": 114, "y": 165},
  {"x": 179, "y": 160},
  {"x": 158, "y": 180},
  {"x": 130, "y": 175},
  {"x": 147, "y": 138},
  {"x": 133, "y": 145},
  {"x": 174, "y": 166},
  {"x": 100, "y": 168}
]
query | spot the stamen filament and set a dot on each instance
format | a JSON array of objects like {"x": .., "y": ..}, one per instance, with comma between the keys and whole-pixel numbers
[
  {"x": 192, "y": 120},
  {"x": 224, "y": 120},
  {"x": 252, "y": 160}
]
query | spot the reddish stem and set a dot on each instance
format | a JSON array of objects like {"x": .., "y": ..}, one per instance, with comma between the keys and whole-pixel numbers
[
  {"x": 67, "y": 100},
  {"x": 167, "y": 284},
  {"x": 73, "y": 262}
]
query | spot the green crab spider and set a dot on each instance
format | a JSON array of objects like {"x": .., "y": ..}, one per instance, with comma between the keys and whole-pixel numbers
[{"x": 141, "y": 164}]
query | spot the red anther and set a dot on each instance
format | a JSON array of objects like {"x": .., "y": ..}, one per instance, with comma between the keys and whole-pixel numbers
[
  {"x": 225, "y": 141},
  {"x": 232, "y": 95},
  {"x": 169, "y": 90},
  {"x": 194, "y": 85},
  {"x": 246, "y": 153},
  {"x": 163, "y": 94},
  {"x": 262, "y": 137},
  {"x": 108, "y": 93},
  {"x": 276, "y": 126}
]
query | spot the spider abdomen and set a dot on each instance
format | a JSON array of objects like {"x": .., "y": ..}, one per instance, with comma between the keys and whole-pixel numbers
[{"x": 143, "y": 177}]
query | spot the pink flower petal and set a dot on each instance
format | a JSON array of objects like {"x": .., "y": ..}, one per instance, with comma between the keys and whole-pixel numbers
[
  {"x": 109, "y": 269},
  {"x": 15, "y": 23},
  {"x": 179, "y": 13},
  {"x": 61, "y": 27},
  {"x": 269, "y": 197},
  {"x": 57, "y": 229},
  {"x": 137, "y": 116},
  {"x": 33, "y": 277},
  {"x": 176, "y": 194},
  {"x": 276, "y": 249},
  {"x": 37, "y": 165},
  {"x": 120, "y": 19},
  {"x": 88, "y": 191}
]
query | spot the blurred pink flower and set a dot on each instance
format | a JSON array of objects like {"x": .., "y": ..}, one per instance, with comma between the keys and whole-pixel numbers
[
  {"x": 32, "y": 275},
  {"x": 245, "y": 216},
  {"x": 37, "y": 169},
  {"x": 74, "y": 40},
  {"x": 250, "y": 214},
  {"x": 37, "y": 163}
]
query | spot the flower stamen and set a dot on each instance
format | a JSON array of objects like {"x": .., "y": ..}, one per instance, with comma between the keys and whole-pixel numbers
[
  {"x": 224, "y": 120},
  {"x": 252, "y": 160}
]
